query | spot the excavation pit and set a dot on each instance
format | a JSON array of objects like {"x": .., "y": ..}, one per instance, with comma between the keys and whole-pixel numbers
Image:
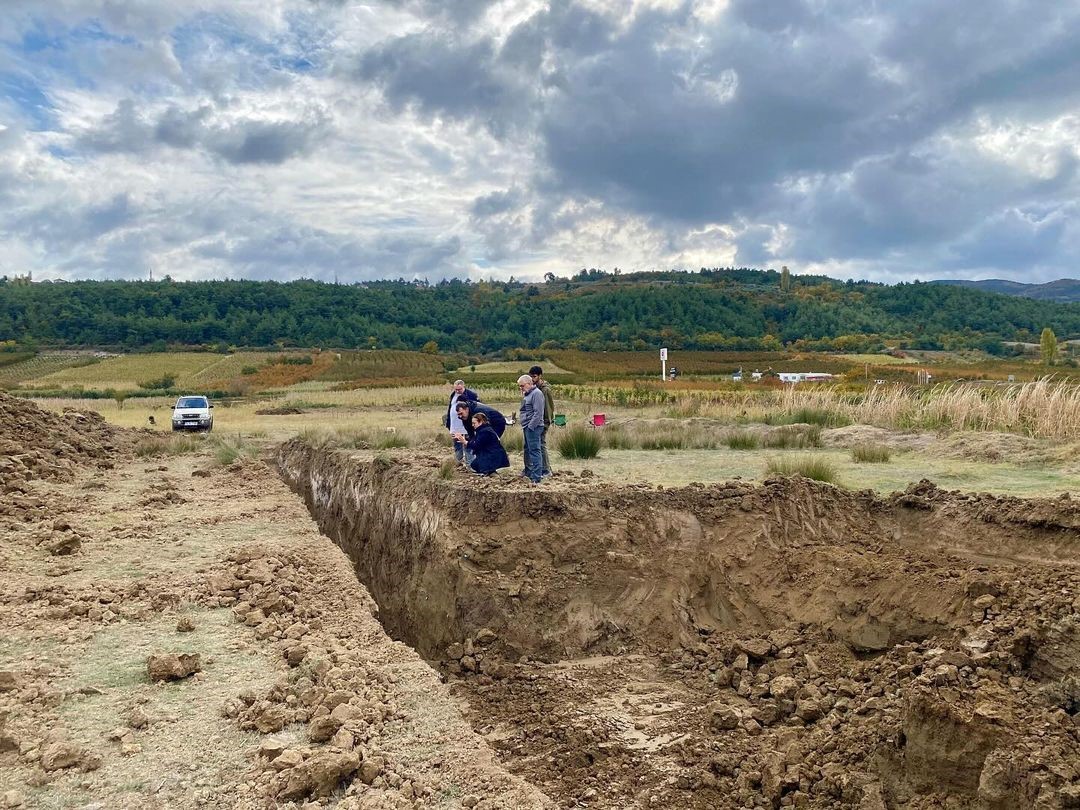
[{"x": 782, "y": 644}]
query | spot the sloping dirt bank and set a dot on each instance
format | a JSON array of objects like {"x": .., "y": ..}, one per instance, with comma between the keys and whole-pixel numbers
[{"x": 784, "y": 644}]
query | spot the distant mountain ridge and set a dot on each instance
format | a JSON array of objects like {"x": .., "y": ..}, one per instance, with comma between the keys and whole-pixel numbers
[{"x": 1063, "y": 289}]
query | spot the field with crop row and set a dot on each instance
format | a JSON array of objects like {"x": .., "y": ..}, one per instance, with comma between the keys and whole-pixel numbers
[
  {"x": 127, "y": 371},
  {"x": 42, "y": 365}
]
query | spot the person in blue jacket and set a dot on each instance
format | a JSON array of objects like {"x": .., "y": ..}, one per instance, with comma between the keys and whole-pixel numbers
[
  {"x": 466, "y": 409},
  {"x": 487, "y": 451}
]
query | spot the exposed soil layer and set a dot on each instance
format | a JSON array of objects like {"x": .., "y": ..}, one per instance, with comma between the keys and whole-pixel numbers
[{"x": 735, "y": 645}]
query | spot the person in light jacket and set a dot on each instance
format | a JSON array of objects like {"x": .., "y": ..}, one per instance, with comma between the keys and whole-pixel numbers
[
  {"x": 531, "y": 416},
  {"x": 487, "y": 451},
  {"x": 451, "y": 421}
]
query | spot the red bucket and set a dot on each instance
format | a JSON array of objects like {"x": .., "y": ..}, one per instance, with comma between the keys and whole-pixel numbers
[{"x": 598, "y": 420}]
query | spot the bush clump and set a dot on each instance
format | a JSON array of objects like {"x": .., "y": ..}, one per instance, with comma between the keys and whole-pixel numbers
[
  {"x": 795, "y": 438},
  {"x": 579, "y": 442},
  {"x": 818, "y": 469},
  {"x": 870, "y": 454},
  {"x": 742, "y": 440}
]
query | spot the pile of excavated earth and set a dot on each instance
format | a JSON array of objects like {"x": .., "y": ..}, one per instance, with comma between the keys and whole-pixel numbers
[{"x": 474, "y": 643}]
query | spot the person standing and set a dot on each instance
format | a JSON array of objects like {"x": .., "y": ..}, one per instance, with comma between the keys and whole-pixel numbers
[
  {"x": 537, "y": 375},
  {"x": 453, "y": 422},
  {"x": 532, "y": 427}
]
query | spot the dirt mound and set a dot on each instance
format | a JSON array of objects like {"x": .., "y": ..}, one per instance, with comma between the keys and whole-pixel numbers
[
  {"x": 855, "y": 435},
  {"x": 782, "y": 644},
  {"x": 997, "y": 447},
  {"x": 40, "y": 444}
]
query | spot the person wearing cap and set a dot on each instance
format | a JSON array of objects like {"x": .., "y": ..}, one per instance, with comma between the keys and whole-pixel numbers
[
  {"x": 531, "y": 416},
  {"x": 453, "y": 423},
  {"x": 537, "y": 375}
]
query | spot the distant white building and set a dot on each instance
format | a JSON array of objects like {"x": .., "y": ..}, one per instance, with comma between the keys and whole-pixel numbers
[{"x": 804, "y": 376}]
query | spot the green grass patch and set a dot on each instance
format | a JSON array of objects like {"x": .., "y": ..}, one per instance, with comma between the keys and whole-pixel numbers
[
  {"x": 513, "y": 441},
  {"x": 579, "y": 442},
  {"x": 818, "y": 469},
  {"x": 446, "y": 469},
  {"x": 870, "y": 454},
  {"x": 742, "y": 440}
]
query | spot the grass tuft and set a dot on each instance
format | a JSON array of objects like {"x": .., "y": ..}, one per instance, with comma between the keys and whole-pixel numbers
[
  {"x": 870, "y": 454},
  {"x": 513, "y": 441},
  {"x": 818, "y": 469},
  {"x": 170, "y": 446},
  {"x": 446, "y": 469},
  {"x": 228, "y": 450},
  {"x": 579, "y": 442},
  {"x": 794, "y": 437},
  {"x": 743, "y": 440}
]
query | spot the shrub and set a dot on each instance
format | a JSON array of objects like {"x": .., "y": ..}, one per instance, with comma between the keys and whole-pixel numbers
[
  {"x": 161, "y": 384},
  {"x": 616, "y": 438},
  {"x": 666, "y": 440},
  {"x": 170, "y": 446},
  {"x": 391, "y": 440},
  {"x": 247, "y": 371},
  {"x": 743, "y": 440},
  {"x": 579, "y": 442},
  {"x": 226, "y": 451},
  {"x": 818, "y": 469},
  {"x": 818, "y": 416},
  {"x": 447, "y": 468},
  {"x": 794, "y": 437},
  {"x": 870, "y": 454},
  {"x": 513, "y": 441}
]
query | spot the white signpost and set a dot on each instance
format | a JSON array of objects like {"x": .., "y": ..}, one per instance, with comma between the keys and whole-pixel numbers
[{"x": 663, "y": 364}]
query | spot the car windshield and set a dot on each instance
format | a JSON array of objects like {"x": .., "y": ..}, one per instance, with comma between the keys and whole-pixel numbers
[{"x": 191, "y": 402}]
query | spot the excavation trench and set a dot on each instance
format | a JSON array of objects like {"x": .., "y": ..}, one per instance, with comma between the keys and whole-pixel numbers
[{"x": 638, "y": 598}]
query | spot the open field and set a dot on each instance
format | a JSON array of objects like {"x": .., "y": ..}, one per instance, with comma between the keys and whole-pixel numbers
[
  {"x": 127, "y": 371},
  {"x": 671, "y": 603}
]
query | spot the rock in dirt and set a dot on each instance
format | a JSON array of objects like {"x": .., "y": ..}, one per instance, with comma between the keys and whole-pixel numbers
[
  {"x": 185, "y": 625},
  {"x": 173, "y": 667},
  {"x": 317, "y": 776},
  {"x": 8, "y": 680},
  {"x": 722, "y": 716},
  {"x": 60, "y": 754}
]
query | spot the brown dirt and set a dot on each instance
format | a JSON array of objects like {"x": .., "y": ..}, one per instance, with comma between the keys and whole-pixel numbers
[
  {"x": 736, "y": 645},
  {"x": 296, "y": 695},
  {"x": 787, "y": 644}
]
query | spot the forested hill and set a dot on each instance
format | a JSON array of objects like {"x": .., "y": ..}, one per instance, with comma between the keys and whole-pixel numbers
[
  {"x": 1063, "y": 289},
  {"x": 713, "y": 309}
]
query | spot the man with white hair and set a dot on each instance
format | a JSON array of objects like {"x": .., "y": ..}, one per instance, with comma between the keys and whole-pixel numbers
[
  {"x": 453, "y": 422},
  {"x": 531, "y": 415}
]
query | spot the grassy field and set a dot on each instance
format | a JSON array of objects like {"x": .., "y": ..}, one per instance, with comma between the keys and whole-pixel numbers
[
  {"x": 653, "y": 442},
  {"x": 127, "y": 371},
  {"x": 518, "y": 367},
  {"x": 42, "y": 365}
]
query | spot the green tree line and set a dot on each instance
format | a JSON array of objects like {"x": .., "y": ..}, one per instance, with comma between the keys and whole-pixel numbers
[{"x": 716, "y": 308}]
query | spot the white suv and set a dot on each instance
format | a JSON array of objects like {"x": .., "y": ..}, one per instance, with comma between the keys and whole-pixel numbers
[{"x": 192, "y": 413}]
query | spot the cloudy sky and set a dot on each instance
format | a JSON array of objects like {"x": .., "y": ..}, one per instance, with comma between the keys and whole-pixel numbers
[{"x": 435, "y": 138}]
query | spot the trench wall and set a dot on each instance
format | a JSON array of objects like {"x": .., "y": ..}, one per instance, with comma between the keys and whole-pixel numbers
[{"x": 589, "y": 569}]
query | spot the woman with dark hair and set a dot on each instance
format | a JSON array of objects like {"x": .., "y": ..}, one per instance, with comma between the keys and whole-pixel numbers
[{"x": 487, "y": 450}]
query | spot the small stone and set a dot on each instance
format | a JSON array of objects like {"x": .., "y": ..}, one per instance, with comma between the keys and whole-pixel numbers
[
  {"x": 172, "y": 667},
  {"x": 185, "y": 624},
  {"x": 271, "y": 748},
  {"x": 60, "y": 754},
  {"x": 722, "y": 716},
  {"x": 8, "y": 680},
  {"x": 137, "y": 718},
  {"x": 322, "y": 728},
  {"x": 289, "y": 758}
]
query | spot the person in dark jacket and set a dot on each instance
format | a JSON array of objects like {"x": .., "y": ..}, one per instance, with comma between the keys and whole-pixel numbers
[
  {"x": 487, "y": 451},
  {"x": 451, "y": 421},
  {"x": 466, "y": 409}
]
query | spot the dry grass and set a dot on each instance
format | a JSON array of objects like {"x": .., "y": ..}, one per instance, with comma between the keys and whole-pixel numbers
[{"x": 125, "y": 372}]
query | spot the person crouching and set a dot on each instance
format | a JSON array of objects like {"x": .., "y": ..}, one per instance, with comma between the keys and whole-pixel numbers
[{"x": 487, "y": 451}]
